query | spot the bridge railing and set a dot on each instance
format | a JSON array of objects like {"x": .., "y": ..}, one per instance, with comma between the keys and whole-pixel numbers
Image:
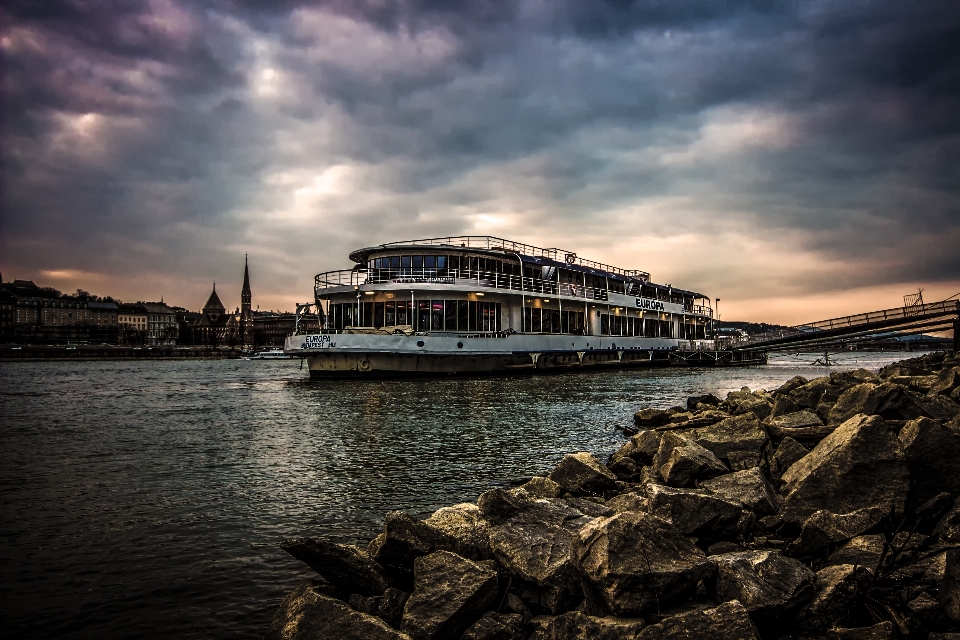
[{"x": 861, "y": 319}]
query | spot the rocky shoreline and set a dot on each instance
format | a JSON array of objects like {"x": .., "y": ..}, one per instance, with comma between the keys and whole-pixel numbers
[{"x": 823, "y": 509}]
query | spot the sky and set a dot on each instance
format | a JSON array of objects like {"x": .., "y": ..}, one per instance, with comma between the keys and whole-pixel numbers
[{"x": 797, "y": 160}]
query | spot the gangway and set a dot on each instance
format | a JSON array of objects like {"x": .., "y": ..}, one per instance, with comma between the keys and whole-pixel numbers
[{"x": 886, "y": 323}]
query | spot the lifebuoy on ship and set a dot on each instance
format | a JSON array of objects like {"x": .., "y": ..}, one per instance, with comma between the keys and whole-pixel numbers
[{"x": 364, "y": 365}]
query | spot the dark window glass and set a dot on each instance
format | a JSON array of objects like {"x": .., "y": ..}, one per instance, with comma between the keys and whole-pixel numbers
[
  {"x": 555, "y": 321},
  {"x": 441, "y": 262},
  {"x": 390, "y": 315},
  {"x": 472, "y": 317},
  {"x": 367, "y": 317},
  {"x": 499, "y": 325},
  {"x": 423, "y": 315},
  {"x": 402, "y": 312},
  {"x": 429, "y": 262},
  {"x": 394, "y": 262},
  {"x": 454, "y": 262},
  {"x": 378, "y": 314},
  {"x": 463, "y": 311},
  {"x": 418, "y": 262},
  {"x": 437, "y": 320},
  {"x": 537, "y": 325},
  {"x": 404, "y": 262},
  {"x": 474, "y": 263},
  {"x": 450, "y": 315},
  {"x": 604, "y": 324}
]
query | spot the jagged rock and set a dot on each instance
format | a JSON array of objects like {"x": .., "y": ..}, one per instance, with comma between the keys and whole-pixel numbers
[
  {"x": 949, "y": 594},
  {"x": 345, "y": 566},
  {"x": 635, "y": 561},
  {"x": 575, "y": 625},
  {"x": 651, "y": 417},
  {"x": 680, "y": 462},
  {"x": 681, "y": 417},
  {"x": 945, "y": 382},
  {"x": 582, "y": 474},
  {"x": 630, "y": 501},
  {"x": 464, "y": 523},
  {"x": 933, "y": 457},
  {"x": 783, "y": 405},
  {"x": 797, "y": 422},
  {"x": 743, "y": 460},
  {"x": 450, "y": 593},
  {"x": 788, "y": 452},
  {"x": 532, "y": 538},
  {"x": 809, "y": 395},
  {"x": 306, "y": 614},
  {"x": 729, "y": 621},
  {"x": 640, "y": 448},
  {"x": 915, "y": 383},
  {"x": 724, "y": 546},
  {"x": 824, "y": 528},
  {"x": 745, "y": 401},
  {"x": 388, "y": 607},
  {"x": 697, "y": 513},
  {"x": 738, "y": 433},
  {"x": 706, "y": 418},
  {"x": 940, "y": 407},
  {"x": 623, "y": 468},
  {"x": 749, "y": 488},
  {"x": 496, "y": 626},
  {"x": 859, "y": 466},
  {"x": 837, "y": 589},
  {"x": 709, "y": 399},
  {"x": 767, "y": 583},
  {"x": 595, "y": 508},
  {"x": 787, "y": 387},
  {"x": 904, "y": 368},
  {"x": 948, "y": 529},
  {"x": 542, "y": 487},
  {"x": 880, "y": 631},
  {"x": 405, "y": 539},
  {"x": 864, "y": 551},
  {"x": 852, "y": 377}
]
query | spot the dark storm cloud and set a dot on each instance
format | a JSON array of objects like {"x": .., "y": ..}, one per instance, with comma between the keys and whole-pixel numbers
[{"x": 175, "y": 137}]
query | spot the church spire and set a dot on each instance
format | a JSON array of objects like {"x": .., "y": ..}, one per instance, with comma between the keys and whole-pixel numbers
[{"x": 245, "y": 296}]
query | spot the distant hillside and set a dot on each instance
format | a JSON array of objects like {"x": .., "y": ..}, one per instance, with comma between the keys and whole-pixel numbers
[{"x": 751, "y": 328}]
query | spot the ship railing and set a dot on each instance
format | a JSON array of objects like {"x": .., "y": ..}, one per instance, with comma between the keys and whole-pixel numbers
[{"x": 509, "y": 246}]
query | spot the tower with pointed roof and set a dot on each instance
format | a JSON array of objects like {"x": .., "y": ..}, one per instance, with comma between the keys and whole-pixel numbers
[
  {"x": 214, "y": 308},
  {"x": 246, "y": 310}
]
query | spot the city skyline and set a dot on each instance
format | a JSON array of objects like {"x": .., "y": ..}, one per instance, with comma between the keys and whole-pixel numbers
[{"x": 796, "y": 160}]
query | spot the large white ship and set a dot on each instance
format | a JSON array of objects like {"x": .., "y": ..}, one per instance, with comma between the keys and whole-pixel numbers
[{"x": 479, "y": 304}]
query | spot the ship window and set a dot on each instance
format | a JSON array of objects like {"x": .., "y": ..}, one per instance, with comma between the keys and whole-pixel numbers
[
  {"x": 429, "y": 262},
  {"x": 537, "y": 324},
  {"x": 450, "y": 315},
  {"x": 402, "y": 313},
  {"x": 474, "y": 263},
  {"x": 423, "y": 315},
  {"x": 472, "y": 317},
  {"x": 404, "y": 262},
  {"x": 418, "y": 262},
  {"x": 666, "y": 329},
  {"x": 454, "y": 262},
  {"x": 394, "y": 262},
  {"x": 436, "y": 323},
  {"x": 441, "y": 262},
  {"x": 378, "y": 314},
  {"x": 604, "y": 324},
  {"x": 389, "y": 315}
]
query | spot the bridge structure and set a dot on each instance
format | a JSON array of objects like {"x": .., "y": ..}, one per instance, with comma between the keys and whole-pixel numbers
[{"x": 908, "y": 320}]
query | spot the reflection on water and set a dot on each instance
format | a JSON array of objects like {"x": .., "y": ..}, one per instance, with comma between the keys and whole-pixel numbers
[{"x": 148, "y": 499}]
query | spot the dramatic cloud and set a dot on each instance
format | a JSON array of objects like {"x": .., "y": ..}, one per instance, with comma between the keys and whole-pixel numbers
[{"x": 795, "y": 159}]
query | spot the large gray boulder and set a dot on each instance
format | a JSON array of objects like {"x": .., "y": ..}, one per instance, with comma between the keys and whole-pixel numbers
[
  {"x": 699, "y": 513},
  {"x": 575, "y": 625},
  {"x": 783, "y": 405},
  {"x": 496, "y": 626},
  {"x": 729, "y": 621},
  {"x": 745, "y": 401},
  {"x": 867, "y": 398},
  {"x": 787, "y": 387},
  {"x": 809, "y": 395},
  {"x": 837, "y": 589},
  {"x": 632, "y": 562},
  {"x": 450, "y": 593},
  {"x": 532, "y": 538},
  {"x": 345, "y": 566},
  {"x": 651, "y": 417},
  {"x": 825, "y": 528},
  {"x": 749, "y": 488},
  {"x": 788, "y": 452},
  {"x": 767, "y": 583},
  {"x": 947, "y": 381},
  {"x": 465, "y": 524},
  {"x": 403, "y": 540},
  {"x": 582, "y": 474},
  {"x": 307, "y": 614},
  {"x": 680, "y": 462},
  {"x": 802, "y": 425},
  {"x": 388, "y": 607},
  {"x": 738, "y": 433},
  {"x": 933, "y": 457},
  {"x": 860, "y": 466}
]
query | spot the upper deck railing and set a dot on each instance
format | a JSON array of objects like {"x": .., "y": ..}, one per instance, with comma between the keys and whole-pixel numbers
[
  {"x": 509, "y": 246},
  {"x": 355, "y": 278}
]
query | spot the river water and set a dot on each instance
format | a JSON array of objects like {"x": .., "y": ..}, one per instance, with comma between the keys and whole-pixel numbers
[{"x": 149, "y": 499}]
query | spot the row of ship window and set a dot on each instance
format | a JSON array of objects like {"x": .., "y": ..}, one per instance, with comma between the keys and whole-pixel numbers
[
  {"x": 422, "y": 315},
  {"x": 618, "y": 325}
]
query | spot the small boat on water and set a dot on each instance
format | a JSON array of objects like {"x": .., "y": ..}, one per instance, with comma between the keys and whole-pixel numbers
[
  {"x": 270, "y": 354},
  {"x": 479, "y": 304}
]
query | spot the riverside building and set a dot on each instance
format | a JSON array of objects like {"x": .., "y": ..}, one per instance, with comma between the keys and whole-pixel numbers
[{"x": 477, "y": 304}]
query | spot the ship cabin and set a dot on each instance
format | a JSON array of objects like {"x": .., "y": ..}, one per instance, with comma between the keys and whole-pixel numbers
[{"x": 482, "y": 286}]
